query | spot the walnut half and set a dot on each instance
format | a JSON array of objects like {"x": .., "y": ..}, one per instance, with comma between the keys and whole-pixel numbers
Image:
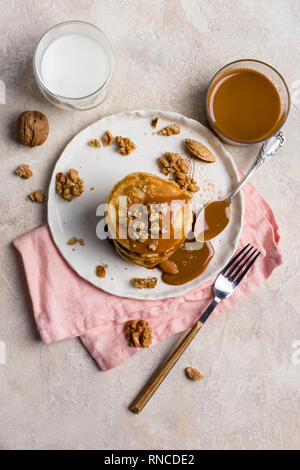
[
  {"x": 172, "y": 129},
  {"x": 173, "y": 164},
  {"x": 69, "y": 185},
  {"x": 37, "y": 196},
  {"x": 24, "y": 171},
  {"x": 108, "y": 138},
  {"x": 126, "y": 146},
  {"x": 138, "y": 334}
]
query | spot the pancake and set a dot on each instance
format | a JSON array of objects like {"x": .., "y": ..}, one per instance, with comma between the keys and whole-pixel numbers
[
  {"x": 147, "y": 262},
  {"x": 148, "y": 218},
  {"x": 139, "y": 262}
]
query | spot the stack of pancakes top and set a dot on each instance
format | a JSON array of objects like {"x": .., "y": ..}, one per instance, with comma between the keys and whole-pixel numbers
[{"x": 148, "y": 218}]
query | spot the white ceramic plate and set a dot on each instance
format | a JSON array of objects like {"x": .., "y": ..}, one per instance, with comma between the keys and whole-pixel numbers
[{"x": 102, "y": 168}]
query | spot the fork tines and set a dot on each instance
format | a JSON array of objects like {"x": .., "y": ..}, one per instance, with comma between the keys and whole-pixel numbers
[{"x": 250, "y": 255}]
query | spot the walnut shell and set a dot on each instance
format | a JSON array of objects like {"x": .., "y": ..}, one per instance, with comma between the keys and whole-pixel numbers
[{"x": 32, "y": 128}]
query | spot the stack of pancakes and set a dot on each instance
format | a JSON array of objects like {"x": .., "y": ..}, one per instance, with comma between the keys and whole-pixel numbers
[{"x": 148, "y": 218}]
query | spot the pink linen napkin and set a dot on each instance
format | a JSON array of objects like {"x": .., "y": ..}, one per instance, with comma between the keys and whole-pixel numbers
[{"x": 66, "y": 306}]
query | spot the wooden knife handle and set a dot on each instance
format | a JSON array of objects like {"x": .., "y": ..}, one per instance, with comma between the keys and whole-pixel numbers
[{"x": 163, "y": 371}]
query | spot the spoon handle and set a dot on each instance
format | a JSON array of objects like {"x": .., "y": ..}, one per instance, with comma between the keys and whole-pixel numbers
[{"x": 269, "y": 148}]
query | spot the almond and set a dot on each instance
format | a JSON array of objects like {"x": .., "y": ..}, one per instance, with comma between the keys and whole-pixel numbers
[
  {"x": 197, "y": 150},
  {"x": 168, "y": 267}
]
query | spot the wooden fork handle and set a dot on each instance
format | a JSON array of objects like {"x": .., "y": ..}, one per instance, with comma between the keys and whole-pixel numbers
[{"x": 163, "y": 371}]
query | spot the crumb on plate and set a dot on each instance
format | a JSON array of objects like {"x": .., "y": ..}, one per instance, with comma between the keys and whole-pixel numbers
[
  {"x": 95, "y": 143},
  {"x": 154, "y": 122},
  {"x": 100, "y": 271},
  {"x": 172, "y": 129},
  {"x": 148, "y": 283}
]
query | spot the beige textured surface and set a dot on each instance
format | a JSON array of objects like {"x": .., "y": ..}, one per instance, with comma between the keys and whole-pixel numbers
[{"x": 54, "y": 397}]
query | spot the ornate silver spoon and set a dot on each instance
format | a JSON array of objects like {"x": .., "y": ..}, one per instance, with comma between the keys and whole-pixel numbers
[{"x": 215, "y": 216}]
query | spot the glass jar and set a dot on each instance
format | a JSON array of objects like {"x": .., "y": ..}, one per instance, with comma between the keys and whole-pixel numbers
[
  {"x": 264, "y": 69},
  {"x": 99, "y": 40}
]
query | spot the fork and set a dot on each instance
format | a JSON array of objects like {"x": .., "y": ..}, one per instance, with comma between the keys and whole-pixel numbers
[{"x": 224, "y": 286}]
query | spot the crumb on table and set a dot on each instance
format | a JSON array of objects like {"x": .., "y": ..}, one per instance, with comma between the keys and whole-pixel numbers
[
  {"x": 193, "y": 374},
  {"x": 37, "y": 196}
]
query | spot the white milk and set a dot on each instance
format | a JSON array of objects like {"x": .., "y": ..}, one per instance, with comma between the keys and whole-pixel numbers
[{"x": 74, "y": 66}]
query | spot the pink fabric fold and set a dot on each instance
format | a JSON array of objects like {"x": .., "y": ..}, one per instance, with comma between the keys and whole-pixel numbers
[{"x": 66, "y": 306}]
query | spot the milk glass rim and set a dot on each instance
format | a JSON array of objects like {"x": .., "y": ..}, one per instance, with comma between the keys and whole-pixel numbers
[
  {"x": 211, "y": 120},
  {"x": 111, "y": 53}
]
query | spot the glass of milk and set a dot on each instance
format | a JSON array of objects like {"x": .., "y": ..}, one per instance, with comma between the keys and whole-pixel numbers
[{"x": 73, "y": 64}]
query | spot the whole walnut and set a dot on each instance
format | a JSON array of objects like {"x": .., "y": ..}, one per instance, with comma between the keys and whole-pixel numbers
[{"x": 32, "y": 128}]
